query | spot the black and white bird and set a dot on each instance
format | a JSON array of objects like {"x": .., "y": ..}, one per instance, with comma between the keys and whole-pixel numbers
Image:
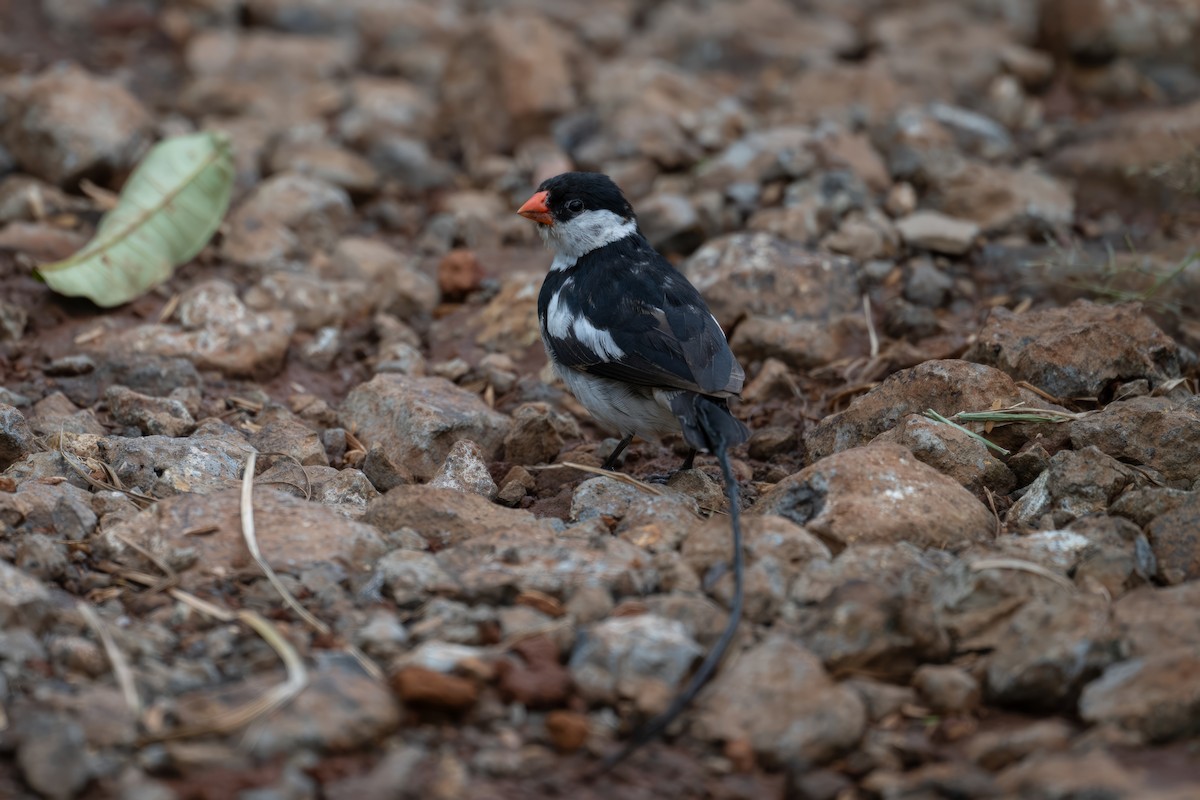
[{"x": 636, "y": 344}]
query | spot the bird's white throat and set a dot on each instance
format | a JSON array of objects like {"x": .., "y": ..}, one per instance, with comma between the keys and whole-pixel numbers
[{"x": 582, "y": 234}]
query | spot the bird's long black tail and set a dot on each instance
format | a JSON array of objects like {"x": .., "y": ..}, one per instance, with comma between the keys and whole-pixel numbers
[{"x": 707, "y": 425}]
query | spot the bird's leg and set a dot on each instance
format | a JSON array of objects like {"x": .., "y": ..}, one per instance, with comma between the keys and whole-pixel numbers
[
  {"x": 689, "y": 461},
  {"x": 610, "y": 463}
]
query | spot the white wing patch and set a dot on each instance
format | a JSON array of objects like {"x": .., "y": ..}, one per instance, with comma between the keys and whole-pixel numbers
[{"x": 562, "y": 322}]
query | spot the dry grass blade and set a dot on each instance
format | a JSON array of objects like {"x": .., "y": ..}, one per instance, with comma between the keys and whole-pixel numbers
[
  {"x": 866, "y": 304},
  {"x": 616, "y": 476},
  {"x": 1024, "y": 566},
  {"x": 939, "y": 418},
  {"x": 251, "y": 538},
  {"x": 1017, "y": 414},
  {"x": 120, "y": 665}
]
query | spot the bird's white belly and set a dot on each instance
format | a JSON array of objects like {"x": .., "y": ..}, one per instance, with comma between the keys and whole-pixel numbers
[{"x": 622, "y": 407}]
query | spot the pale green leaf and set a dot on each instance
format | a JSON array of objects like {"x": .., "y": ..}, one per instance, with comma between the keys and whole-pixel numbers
[{"x": 169, "y": 209}]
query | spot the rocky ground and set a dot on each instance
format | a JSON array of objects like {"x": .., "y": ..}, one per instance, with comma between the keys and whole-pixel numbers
[{"x": 891, "y": 205}]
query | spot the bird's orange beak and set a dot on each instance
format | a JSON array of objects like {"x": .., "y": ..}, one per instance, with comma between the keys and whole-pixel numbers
[{"x": 535, "y": 209}]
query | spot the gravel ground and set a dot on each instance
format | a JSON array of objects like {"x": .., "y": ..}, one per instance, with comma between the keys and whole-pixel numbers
[{"x": 892, "y": 207}]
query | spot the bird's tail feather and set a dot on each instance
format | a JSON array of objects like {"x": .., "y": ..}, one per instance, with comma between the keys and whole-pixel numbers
[{"x": 707, "y": 425}]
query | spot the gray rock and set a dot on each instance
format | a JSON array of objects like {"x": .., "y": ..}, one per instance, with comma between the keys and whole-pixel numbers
[
  {"x": 24, "y": 601},
  {"x": 13, "y": 319},
  {"x": 153, "y": 416},
  {"x": 1052, "y": 648},
  {"x": 346, "y": 491},
  {"x": 315, "y": 302},
  {"x": 398, "y": 286},
  {"x": 413, "y": 577},
  {"x": 642, "y": 658},
  {"x": 54, "y": 413},
  {"x": 1075, "y": 484},
  {"x": 931, "y": 230},
  {"x": 161, "y": 466},
  {"x": 418, "y": 420},
  {"x": 763, "y": 275},
  {"x": 1153, "y": 620},
  {"x": 995, "y": 750},
  {"x": 464, "y": 470},
  {"x": 16, "y": 438},
  {"x": 49, "y": 755},
  {"x": 777, "y": 696},
  {"x": 927, "y": 285},
  {"x": 444, "y": 517}
]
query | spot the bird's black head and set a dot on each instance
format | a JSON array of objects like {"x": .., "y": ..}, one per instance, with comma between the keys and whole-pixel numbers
[
  {"x": 566, "y": 196},
  {"x": 578, "y": 212}
]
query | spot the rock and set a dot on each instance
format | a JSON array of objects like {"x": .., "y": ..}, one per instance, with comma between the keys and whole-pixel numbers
[
  {"x": 1156, "y": 431},
  {"x": 398, "y": 286},
  {"x": 931, "y": 230},
  {"x": 12, "y": 322},
  {"x": 459, "y": 273},
  {"x": 878, "y": 494},
  {"x": 642, "y": 658},
  {"x": 535, "y": 678},
  {"x": 346, "y": 491},
  {"x": 48, "y": 755},
  {"x": 881, "y": 699},
  {"x": 506, "y": 79},
  {"x": 953, "y": 453},
  {"x": 1157, "y": 696},
  {"x": 1075, "y": 484},
  {"x": 425, "y": 687},
  {"x": 55, "y": 414},
  {"x": 465, "y": 471},
  {"x": 865, "y": 627},
  {"x": 759, "y": 157},
  {"x": 288, "y": 436},
  {"x": 157, "y": 376},
  {"x": 66, "y": 124},
  {"x": 418, "y": 420},
  {"x": 216, "y": 332},
  {"x": 16, "y": 438},
  {"x": 538, "y": 434},
  {"x": 160, "y": 466},
  {"x": 58, "y": 508},
  {"x": 745, "y": 274},
  {"x": 1094, "y": 773},
  {"x": 445, "y": 517},
  {"x": 292, "y": 534},
  {"x": 396, "y": 767},
  {"x": 285, "y": 218},
  {"x": 947, "y": 689},
  {"x": 927, "y": 285},
  {"x": 1051, "y": 649},
  {"x": 778, "y": 697},
  {"x": 153, "y": 416},
  {"x": 568, "y": 730},
  {"x": 327, "y": 162},
  {"x": 1079, "y": 350},
  {"x": 1152, "y": 620},
  {"x": 24, "y": 601},
  {"x": 670, "y": 222},
  {"x": 994, "y": 750},
  {"x": 604, "y": 498},
  {"x": 315, "y": 303},
  {"x": 1003, "y": 200},
  {"x": 947, "y": 386},
  {"x": 1175, "y": 538},
  {"x": 801, "y": 344},
  {"x": 342, "y": 709}
]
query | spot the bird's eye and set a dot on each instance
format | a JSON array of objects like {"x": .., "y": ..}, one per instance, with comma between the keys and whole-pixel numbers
[{"x": 575, "y": 206}]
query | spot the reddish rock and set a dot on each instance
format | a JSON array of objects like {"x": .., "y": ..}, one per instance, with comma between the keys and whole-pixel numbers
[
  {"x": 1077, "y": 351},
  {"x": 535, "y": 679},
  {"x": 568, "y": 730},
  {"x": 426, "y": 687},
  {"x": 459, "y": 273},
  {"x": 879, "y": 494}
]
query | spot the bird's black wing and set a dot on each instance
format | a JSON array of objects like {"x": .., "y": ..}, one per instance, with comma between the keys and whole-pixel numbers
[{"x": 625, "y": 313}]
